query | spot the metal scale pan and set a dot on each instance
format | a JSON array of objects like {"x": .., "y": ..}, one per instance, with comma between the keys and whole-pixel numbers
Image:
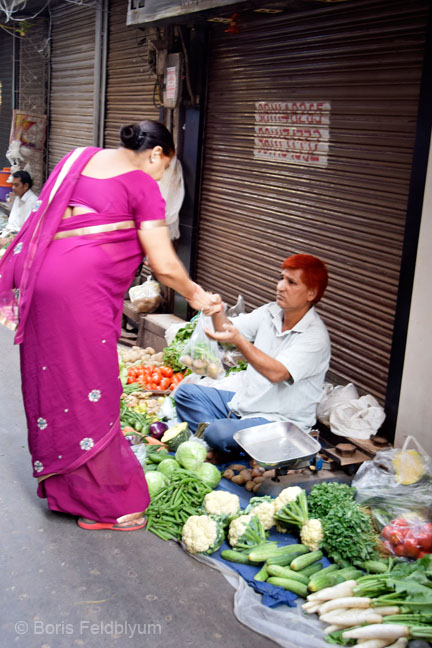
[{"x": 283, "y": 445}]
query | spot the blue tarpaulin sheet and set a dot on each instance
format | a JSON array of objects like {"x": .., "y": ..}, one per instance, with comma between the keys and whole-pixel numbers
[{"x": 271, "y": 595}]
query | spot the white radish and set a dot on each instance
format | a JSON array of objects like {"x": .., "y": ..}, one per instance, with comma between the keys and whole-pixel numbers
[
  {"x": 313, "y": 609},
  {"x": 332, "y": 628},
  {"x": 348, "y": 618},
  {"x": 346, "y": 602},
  {"x": 385, "y": 610},
  {"x": 400, "y": 643},
  {"x": 390, "y": 631},
  {"x": 337, "y": 591},
  {"x": 373, "y": 643},
  {"x": 308, "y": 605}
]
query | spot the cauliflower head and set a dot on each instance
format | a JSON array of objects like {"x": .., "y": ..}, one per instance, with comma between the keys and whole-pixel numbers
[
  {"x": 263, "y": 508},
  {"x": 287, "y": 495},
  {"x": 220, "y": 502},
  {"x": 202, "y": 534},
  {"x": 237, "y": 527},
  {"x": 312, "y": 534}
]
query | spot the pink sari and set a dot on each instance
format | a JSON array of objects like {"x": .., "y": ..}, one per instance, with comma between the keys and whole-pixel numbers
[{"x": 72, "y": 275}]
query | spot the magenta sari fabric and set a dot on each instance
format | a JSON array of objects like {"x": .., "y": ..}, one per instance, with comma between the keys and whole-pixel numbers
[{"x": 69, "y": 364}]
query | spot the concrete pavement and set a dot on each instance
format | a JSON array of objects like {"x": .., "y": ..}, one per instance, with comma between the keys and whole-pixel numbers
[{"x": 65, "y": 587}]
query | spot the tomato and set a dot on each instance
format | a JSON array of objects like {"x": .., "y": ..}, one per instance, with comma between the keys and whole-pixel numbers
[
  {"x": 155, "y": 378},
  {"x": 386, "y": 532},
  {"x": 411, "y": 548},
  {"x": 399, "y": 550},
  {"x": 421, "y": 554},
  {"x": 424, "y": 540},
  {"x": 427, "y": 526},
  {"x": 400, "y": 522},
  {"x": 167, "y": 372},
  {"x": 154, "y": 387},
  {"x": 165, "y": 383},
  {"x": 130, "y": 380},
  {"x": 396, "y": 536}
]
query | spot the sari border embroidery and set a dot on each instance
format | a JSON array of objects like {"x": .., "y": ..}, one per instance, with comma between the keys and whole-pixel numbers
[
  {"x": 94, "y": 229},
  {"x": 151, "y": 224}
]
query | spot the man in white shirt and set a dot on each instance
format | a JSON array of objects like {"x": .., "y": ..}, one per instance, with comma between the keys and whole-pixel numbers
[
  {"x": 23, "y": 204},
  {"x": 287, "y": 347}
]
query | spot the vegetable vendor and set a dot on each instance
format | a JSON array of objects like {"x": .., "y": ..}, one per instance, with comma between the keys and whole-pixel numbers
[{"x": 287, "y": 347}]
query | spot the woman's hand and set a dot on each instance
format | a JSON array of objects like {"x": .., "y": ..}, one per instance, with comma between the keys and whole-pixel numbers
[{"x": 207, "y": 302}]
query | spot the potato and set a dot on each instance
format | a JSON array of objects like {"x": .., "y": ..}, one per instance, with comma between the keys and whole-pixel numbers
[
  {"x": 228, "y": 474},
  {"x": 255, "y": 488},
  {"x": 258, "y": 480},
  {"x": 238, "y": 479},
  {"x": 257, "y": 471},
  {"x": 269, "y": 473},
  {"x": 246, "y": 474},
  {"x": 237, "y": 467},
  {"x": 249, "y": 485}
]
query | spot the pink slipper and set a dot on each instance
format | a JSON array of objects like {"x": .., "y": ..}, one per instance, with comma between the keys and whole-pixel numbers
[{"x": 110, "y": 526}]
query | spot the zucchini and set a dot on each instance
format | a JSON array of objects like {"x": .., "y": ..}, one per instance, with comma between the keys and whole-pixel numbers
[
  {"x": 235, "y": 556},
  {"x": 293, "y": 586},
  {"x": 310, "y": 570},
  {"x": 326, "y": 570},
  {"x": 320, "y": 582},
  {"x": 286, "y": 572},
  {"x": 267, "y": 551},
  {"x": 304, "y": 561},
  {"x": 375, "y": 566},
  {"x": 262, "y": 575},
  {"x": 349, "y": 573}
]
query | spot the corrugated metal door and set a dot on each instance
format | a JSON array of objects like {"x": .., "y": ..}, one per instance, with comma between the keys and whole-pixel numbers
[
  {"x": 72, "y": 119},
  {"x": 361, "y": 62},
  {"x": 6, "y": 70},
  {"x": 130, "y": 81}
]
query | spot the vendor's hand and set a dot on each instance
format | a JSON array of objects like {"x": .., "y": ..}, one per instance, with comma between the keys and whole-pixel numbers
[{"x": 230, "y": 334}]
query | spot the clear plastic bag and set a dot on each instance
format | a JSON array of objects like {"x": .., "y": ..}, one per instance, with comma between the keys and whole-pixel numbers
[
  {"x": 146, "y": 297},
  {"x": 201, "y": 354},
  {"x": 396, "y": 483}
]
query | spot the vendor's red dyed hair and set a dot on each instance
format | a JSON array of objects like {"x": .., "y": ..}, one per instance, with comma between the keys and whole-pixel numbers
[{"x": 314, "y": 272}]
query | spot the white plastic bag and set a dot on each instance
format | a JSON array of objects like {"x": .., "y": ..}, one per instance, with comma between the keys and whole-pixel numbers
[
  {"x": 171, "y": 186},
  {"x": 146, "y": 297},
  {"x": 359, "y": 418},
  {"x": 201, "y": 354},
  {"x": 333, "y": 396}
]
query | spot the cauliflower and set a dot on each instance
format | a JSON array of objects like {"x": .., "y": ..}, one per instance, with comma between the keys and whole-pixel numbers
[
  {"x": 287, "y": 495},
  {"x": 246, "y": 532},
  {"x": 202, "y": 534},
  {"x": 220, "y": 502},
  {"x": 263, "y": 507},
  {"x": 312, "y": 534}
]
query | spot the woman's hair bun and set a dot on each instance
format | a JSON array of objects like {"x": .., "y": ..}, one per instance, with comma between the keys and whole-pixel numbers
[{"x": 131, "y": 136}]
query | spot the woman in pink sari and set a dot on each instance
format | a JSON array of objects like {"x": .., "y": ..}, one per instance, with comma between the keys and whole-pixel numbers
[{"x": 62, "y": 284}]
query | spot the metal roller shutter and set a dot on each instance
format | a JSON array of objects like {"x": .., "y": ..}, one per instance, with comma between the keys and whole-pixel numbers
[
  {"x": 363, "y": 60},
  {"x": 73, "y": 119},
  {"x": 130, "y": 82}
]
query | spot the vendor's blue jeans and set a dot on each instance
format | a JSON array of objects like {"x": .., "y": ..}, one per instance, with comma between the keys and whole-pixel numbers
[{"x": 197, "y": 404}]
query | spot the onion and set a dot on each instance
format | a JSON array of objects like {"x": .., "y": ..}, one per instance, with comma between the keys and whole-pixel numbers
[{"x": 158, "y": 429}]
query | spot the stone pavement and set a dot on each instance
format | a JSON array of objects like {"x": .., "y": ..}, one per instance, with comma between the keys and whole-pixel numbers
[{"x": 62, "y": 586}]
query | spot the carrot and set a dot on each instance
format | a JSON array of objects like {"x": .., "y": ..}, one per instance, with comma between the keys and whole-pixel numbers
[{"x": 149, "y": 440}]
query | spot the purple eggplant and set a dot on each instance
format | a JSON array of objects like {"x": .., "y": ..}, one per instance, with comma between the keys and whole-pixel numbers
[{"x": 158, "y": 429}]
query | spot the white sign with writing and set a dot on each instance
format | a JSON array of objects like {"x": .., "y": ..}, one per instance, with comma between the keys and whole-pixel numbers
[{"x": 296, "y": 132}]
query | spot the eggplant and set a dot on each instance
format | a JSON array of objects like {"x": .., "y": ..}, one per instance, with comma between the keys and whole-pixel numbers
[{"x": 158, "y": 429}]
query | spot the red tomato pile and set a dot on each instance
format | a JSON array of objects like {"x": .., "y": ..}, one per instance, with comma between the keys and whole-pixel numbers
[
  {"x": 408, "y": 539},
  {"x": 154, "y": 378}
]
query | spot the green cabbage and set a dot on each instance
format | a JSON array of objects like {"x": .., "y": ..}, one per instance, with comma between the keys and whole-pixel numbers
[
  {"x": 168, "y": 466},
  {"x": 191, "y": 454},
  {"x": 155, "y": 482},
  {"x": 209, "y": 474}
]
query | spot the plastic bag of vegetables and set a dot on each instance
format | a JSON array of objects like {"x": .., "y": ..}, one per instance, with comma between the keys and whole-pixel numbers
[{"x": 201, "y": 354}]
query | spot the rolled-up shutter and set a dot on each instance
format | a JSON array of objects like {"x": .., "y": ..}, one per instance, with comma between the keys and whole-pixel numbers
[
  {"x": 362, "y": 62},
  {"x": 130, "y": 81},
  {"x": 73, "y": 119}
]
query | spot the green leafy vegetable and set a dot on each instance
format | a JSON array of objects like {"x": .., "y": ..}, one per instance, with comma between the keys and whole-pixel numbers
[
  {"x": 348, "y": 534},
  {"x": 171, "y": 354},
  {"x": 327, "y": 495}
]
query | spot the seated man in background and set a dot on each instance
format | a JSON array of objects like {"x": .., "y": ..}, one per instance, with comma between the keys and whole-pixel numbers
[
  {"x": 24, "y": 201},
  {"x": 287, "y": 347}
]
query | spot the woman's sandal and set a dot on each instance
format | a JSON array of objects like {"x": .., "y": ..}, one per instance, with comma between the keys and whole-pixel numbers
[{"x": 108, "y": 526}]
